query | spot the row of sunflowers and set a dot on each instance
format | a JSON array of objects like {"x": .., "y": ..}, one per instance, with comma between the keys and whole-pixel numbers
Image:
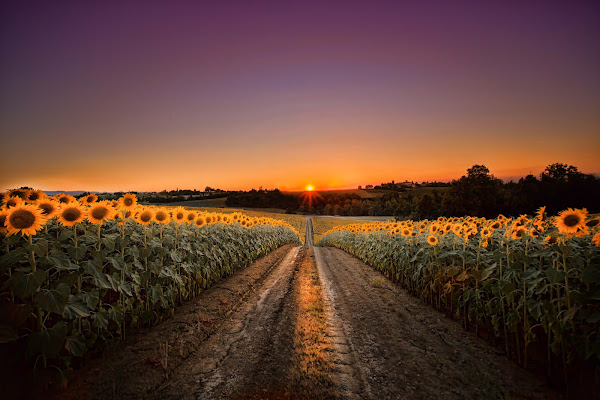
[
  {"x": 531, "y": 283},
  {"x": 74, "y": 273},
  {"x": 26, "y": 212}
]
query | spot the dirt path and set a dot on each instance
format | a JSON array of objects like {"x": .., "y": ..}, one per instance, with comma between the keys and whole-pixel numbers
[
  {"x": 306, "y": 323},
  {"x": 390, "y": 345}
]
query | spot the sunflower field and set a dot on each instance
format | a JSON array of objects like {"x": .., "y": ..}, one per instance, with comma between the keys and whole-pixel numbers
[
  {"x": 75, "y": 273},
  {"x": 298, "y": 222},
  {"x": 530, "y": 283}
]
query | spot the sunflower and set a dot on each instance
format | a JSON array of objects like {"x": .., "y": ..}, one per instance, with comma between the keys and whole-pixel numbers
[
  {"x": 518, "y": 233},
  {"x": 145, "y": 216},
  {"x": 596, "y": 239},
  {"x": 162, "y": 216},
  {"x": 3, "y": 215},
  {"x": 592, "y": 223},
  {"x": 49, "y": 207},
  {"x": 541, "y": 213},
  {"x": 200, "y": 221},
  {"x": 191, "y": 216},
  {"x": 179, "y": 214},
  {"x": 568, "y": 221},
  {"x": 209, "y": 219},
  {"x": 126, "y": 213},
  {"x": 25, "y": 219},
  {"x": 64, "y": 198},
  {"x": 486, "y": 232},
  {"x": 550, "y": 239},
  {"x": 89, "y": 199},
  {"x": 71, "y": 214},
  {"x": 12, "y": 201},
  {"x": 100, "y": 212},
  {"x": 496, "y": 225},
  {"x": 534, "y": 233},
  {"x": 432, "y": 240},
  {"x": 23, "y": 194},
  {"x": 128, "y": 201},
  {"x": 36, "y": 195},
  {"x": 225, "y": 219},
  {"x": 484, "y": 243}
]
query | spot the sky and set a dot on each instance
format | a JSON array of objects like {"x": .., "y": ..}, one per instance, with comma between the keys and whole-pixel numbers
[{"x": 124, "y": 95}]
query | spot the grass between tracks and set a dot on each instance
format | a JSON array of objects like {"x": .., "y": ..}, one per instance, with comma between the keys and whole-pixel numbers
[{"x": 312, "y": 345}]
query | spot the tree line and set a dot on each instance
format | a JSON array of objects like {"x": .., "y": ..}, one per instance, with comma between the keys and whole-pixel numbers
[{"x": 478, "y": 193}]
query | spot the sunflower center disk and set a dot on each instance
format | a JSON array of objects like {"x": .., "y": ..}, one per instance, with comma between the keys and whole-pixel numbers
[
  {"x": 99, "y": 213},
  {"x": 22, "y": 219},
  {"x": 71, "y": 214},
  {"x": 572, "y": 220}
]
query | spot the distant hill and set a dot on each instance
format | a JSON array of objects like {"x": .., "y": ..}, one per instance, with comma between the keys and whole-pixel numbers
[{"x": 71, "y": 192}]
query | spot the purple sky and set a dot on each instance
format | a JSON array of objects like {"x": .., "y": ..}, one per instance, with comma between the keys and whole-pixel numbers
[{"x": 118, "y": 95}]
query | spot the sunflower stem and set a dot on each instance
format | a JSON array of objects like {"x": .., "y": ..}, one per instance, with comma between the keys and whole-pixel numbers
[
  {"x": 564, "y": 259},
  {"x": 38, "y": 310},
  {"x": 99, "y": 242},
  {"x": 32, "y": 255}
]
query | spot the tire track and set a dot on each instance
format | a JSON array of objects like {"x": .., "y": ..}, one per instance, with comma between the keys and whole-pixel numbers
[
  {"x": 253, "y": 350},
  {"x": 395, "y": 346}
]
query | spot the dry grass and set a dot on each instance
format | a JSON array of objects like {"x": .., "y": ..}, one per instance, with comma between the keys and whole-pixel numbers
[{"x": 312, "y": 345}]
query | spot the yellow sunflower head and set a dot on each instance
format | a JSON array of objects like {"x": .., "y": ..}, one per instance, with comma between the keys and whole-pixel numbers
[
  {"x": 3, "y": 215},
  {"x": 128, "y": 201},
  {"x": 226, "y": 219},
  {"x": 64, "y": 198},
  {"x": 541, "y": 213},
  {"x": 89, "y": 199},
  {"x": 518, "y": 233},
  {"x": 432, "y": 240},
  {"x": 534, "y": 233},
  {"x": 71, "y": 213},
  {"x": 36, "y": 196},
  {"x": 596, "y": 239},
  {"x": 12, "y": 201},
  {"x": 25, "y": 219},
  {"x": 496, "y": 225},
  {"x": 49, "y": 207},
  {"x": 209, "y": 219},
  {"x": 568, "y": 221},
  {"x": 23, "y": 194},
  {"x": 200, "y": 221},
  {"x": 100, "y": 212},
  {"x": 162, "y": 216},
  {"x": 179, "y": 214},
  {"x": 191, "y": 216},
  {"x": 145, "y": 216}
]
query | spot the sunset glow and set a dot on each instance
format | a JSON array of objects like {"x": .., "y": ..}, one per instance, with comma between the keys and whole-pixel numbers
[
  {"x": 114, "y": 96},
  {"x": 310, "y": 188}
]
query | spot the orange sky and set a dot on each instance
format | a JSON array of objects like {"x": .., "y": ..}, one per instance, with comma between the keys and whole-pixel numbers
[{"x": 116, "y": 97}]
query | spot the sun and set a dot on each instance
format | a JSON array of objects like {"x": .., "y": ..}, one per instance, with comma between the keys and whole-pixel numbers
[{"x": 309, "y": 188}]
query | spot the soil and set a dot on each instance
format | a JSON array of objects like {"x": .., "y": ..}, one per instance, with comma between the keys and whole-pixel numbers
[{"x": 305, "y": 323}]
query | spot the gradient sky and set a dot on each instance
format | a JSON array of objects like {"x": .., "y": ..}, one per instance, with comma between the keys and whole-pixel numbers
[{"x": 123, "y": 95}]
